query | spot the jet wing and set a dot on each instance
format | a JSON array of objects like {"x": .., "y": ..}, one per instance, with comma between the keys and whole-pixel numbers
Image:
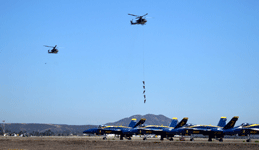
[
  {"x": 151, "y": 131},
  {"x": 202, "y": 131},
  {"x": 112, "y": 131},
  {"x": 254, "y": 129}
]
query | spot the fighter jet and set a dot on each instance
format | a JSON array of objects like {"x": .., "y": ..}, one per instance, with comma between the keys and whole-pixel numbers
[
  {"x": 123, "y": 131},
  {"x": 245, "y": 129},
  {"x": 164, "y": 131},
  {"x": 210, "y": 130}
]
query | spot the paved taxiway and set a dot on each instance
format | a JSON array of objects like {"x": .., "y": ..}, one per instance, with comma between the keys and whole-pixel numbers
[{"x": 97, "y": 143}]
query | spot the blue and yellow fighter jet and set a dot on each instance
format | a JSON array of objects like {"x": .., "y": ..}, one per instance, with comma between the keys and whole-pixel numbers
[
  {"x": 164, "y": 131},
  {"x": 212, "y": 131},
  {"x": 249, "y": 129},
  {"x": 123, "y": 131},
  {"x": 245, "y": 129}
]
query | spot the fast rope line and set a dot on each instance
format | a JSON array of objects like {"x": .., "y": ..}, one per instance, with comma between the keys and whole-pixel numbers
[
  {"x": 144, "y": 91},
  {"x": 144, "y": 86}
]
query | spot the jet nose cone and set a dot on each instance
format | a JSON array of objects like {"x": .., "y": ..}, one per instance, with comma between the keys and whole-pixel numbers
[{"x": 88, "y": 131}]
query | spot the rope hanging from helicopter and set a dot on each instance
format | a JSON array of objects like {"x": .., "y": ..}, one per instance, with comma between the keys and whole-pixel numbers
[
  {"x": 141, "y": 21},
  {"x": 144, "y": 83}
]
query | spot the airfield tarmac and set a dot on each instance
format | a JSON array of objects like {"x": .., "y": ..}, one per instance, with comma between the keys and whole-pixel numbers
[{"x": 97, "y": 143}]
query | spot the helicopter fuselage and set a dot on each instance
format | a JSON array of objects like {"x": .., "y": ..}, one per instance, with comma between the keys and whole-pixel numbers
[
  {"x": 53, "y": 51},
  {"x": 139, "y": 21}
]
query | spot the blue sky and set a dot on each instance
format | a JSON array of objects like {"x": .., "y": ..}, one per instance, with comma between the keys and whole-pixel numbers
[{"x": 199, "y": 60}]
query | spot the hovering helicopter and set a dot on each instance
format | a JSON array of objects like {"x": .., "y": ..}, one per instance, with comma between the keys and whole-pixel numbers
[
  {"x": 54, "y": 50},
  {"x": 140, "y": 19}
]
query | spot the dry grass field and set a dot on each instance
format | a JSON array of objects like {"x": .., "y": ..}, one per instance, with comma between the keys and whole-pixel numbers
[{"x": 97, "y": 143}]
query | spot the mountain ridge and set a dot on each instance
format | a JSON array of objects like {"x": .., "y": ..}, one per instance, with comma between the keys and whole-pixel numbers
[{"x": 151, "y": 119}]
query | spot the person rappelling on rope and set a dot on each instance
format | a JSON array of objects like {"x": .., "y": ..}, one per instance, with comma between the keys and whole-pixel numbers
[{"x": 144, "y": 91}]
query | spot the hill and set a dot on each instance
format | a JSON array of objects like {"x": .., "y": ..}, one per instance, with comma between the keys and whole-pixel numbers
[
  {"x": 77, "y": 129},
  {"x": 40, "y": 128},
  {"x": 150, "y": 120}
]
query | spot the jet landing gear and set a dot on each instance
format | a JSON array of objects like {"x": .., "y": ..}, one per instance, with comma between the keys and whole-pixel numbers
[
  {"x": 210, "y": 139},
  {"x": 105, "y": 137},
  {"x": 221, "y": 139},
  {"x": 121, "y": 137},
  {"x": 162, "y": 138},
  {"x": 248, "y": 138},
  {"x": 191, "y": 138},
  {"x": 145, "y": 138},
  {"x": 171, "y": 139}
]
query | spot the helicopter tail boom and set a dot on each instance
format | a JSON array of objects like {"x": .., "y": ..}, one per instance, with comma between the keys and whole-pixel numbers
[{"x": 132, "y": 23}]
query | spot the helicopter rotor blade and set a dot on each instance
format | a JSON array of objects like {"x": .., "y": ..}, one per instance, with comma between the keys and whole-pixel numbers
[
  {"x": 132, "y": 15},
  {"x": 47, "y": 46},
  {"x": 145, "y": 14}
]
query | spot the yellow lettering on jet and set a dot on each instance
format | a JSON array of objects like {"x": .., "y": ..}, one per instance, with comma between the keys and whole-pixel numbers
[
  {"x": 148, "y": 131},
  {"x": 232, "y": 123}
]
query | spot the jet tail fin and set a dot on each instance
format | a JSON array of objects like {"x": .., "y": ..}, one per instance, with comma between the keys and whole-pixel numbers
[
  {"x": 141, "y": 121},
  {"x": 231, "y": 123},
  {"x": 181, "y": 123},
  {"x": 222, "y": 122},
  {"x": 133, "y": 122},
  {"x": 173, "y": 122}
]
